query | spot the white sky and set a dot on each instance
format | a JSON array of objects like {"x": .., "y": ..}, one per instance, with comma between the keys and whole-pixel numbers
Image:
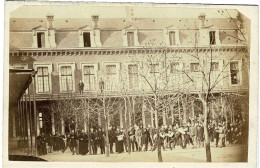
[{"x": 84, "y": 11}]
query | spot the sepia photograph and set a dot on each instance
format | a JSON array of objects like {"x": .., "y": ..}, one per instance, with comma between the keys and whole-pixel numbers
[{"x": 129, "y": 83}]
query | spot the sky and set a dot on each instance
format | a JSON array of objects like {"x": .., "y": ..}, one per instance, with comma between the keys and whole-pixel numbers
[{"x": 84, "y": 11}]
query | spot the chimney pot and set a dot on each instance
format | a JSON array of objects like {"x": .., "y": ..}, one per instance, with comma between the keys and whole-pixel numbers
[{"x": 95, "y": 19}]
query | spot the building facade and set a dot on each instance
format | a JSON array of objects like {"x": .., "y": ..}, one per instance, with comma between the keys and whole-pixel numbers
[{"x": 131, "y": 57}]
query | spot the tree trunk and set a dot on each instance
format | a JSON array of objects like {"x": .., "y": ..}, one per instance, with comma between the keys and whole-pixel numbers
[
  {"x": 206, "y": 133},
  {"x": 106, "y": 126},
  {"x": 127, "y": 127},
  {"x": 157, "y": 131}
]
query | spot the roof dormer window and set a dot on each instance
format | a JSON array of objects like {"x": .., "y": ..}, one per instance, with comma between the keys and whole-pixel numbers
[
  {"x": 130, "y": 36},
  {"x": 86, "y": 39},
  {"x": 130, "y": 39},
  {"x": 212, "y": 37},
  {"x": 172, "y": 40},
  {"x": 41, "y": 40}
]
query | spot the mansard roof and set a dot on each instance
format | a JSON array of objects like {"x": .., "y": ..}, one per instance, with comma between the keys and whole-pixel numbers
[{"x": 26, "y": 24}]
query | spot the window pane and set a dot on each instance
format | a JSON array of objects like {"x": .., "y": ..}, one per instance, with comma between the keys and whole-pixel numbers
[
  {"x": 214, "y": 66},
  {"x": 172, "y": 38},
  {"x": 130, "y": 38},
  {"x": 174, "y": 67},
  {"x": 194, "y": 67},
  {"x": 234, "y": 73},
  {"x": 212, "y": 37},
  {"x": 133, "y": 76}
]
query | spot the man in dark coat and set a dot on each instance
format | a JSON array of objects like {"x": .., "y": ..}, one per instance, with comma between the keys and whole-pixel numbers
[
  {"x": 42, "y": 144},
  {"x": 50, "y": 141},
  {"x": 81, "y": 87},
  {"x": 112, "y": 136},
  {"x": 101, "y": 142},
  {"x": 81, "y": 143},
  {"x": 73, "y": 142}
]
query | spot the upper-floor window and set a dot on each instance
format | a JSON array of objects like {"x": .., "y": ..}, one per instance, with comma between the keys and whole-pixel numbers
[
  {"x": 175, "y": 67},
  {"x": 66, "y": 78},
  {"x": 111, "y": 75},
  {"x": 86, "y": 39},
  {"x": 154, "y": 68},
  {"x": 89, "y": 77},
  {"x": 212, "y": 37},
  {"x": 214, "y": 66},
  {"x": 194, "y": 67},
  {"x": 133, "y": 76},
  {"x": 234, "y": 72},
  {"x": 172, "y": 38},
  {"x": 130, "y": 39},
  {"x": 41, "y": 40},
  {"x": 43, "y": 80}
]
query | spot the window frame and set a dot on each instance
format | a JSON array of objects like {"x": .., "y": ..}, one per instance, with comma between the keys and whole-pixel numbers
[
  {"x": 73, "y": 75},
  {"x": 172, "y": 31},
  {"x": 117, "y": 73},
  {"x": 95, "y": 75},
  {"x": 240, "y": 81},
  {"x": 49, "y": 66},
  {"x": 128, "y": 77}
]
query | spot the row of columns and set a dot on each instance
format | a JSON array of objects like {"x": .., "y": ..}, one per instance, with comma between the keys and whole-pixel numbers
[{"x": 28, "y": 123}]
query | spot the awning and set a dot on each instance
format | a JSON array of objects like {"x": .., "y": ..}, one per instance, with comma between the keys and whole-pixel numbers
[{"x": 19, "y": 80}]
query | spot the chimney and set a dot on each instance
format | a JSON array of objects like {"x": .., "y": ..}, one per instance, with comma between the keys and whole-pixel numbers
[
  {"x": 95, "y": 19},
  {"x": 50, "y": 21},
  {"x": 202, "y": 18}
]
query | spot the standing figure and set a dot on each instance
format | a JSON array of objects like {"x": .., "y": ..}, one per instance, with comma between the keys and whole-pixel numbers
[
  {"x": 81, "y": 87},
  {"x": 81, "y": 142},
  {"x": 101, "y": 85},
  {"x": 73, "y": 142},
  {"x": 119, "y": 145},
  {"x": 50, "y": 143},
  {"x": 138, "y": 135}
]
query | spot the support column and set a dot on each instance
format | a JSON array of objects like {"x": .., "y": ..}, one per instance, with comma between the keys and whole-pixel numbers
[
  {"x": 30, "y": 117},
  {"x": 28, "y": 125},
  {"x": 164, "y": 116},
  {"x": 179, "y": 110},
  {"x": 184, "y": 110},
  {"x": 13, "y": 123},
  {"x": 129, "y": 114},
  {"x": 143, "y": 114},
  {"x": 121, "y": 118},
  {"x": 35, "y": 118},
  {"x": 172, "y": 114},
  {"x": 52, "y": 122},
  {"x": 192, "y": 110},
  {"x": 63, "y": 125},
  {"x": 99, "y": 118},
  {"x": 152, "y": 119}
]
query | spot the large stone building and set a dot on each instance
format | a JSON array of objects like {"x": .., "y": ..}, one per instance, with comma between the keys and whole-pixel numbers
[{"x": 125, "y": 54}]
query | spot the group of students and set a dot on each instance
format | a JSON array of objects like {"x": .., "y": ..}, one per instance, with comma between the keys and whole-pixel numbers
[{"x": 138, "y": 138}]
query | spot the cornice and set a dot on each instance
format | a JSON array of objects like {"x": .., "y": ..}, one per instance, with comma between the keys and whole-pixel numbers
[{"x": 122, "y": 50}]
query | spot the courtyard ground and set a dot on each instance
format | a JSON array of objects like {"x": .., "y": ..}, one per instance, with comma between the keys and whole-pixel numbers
[{"x": 234, "y": 153}]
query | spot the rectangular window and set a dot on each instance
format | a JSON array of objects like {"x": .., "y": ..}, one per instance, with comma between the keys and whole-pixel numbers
[
  {"x": 130, "y": 39},
  {"x": 172, "y": 38},
  {"x": 234, "y": 71},
  {"x": 194, "y": 67},
  {"x": 86, "y": 39},
  {"x": 175, "y": 67},
  {"x": 133, "y": 76},
  {"x": 66, "y": 78},
  {"x": 212, "y": 38},
  {"x": 154, "y": 68},
  {"x": 43, "y": 80},
  {"x": 41, "y": 40},
  {"x": 89, "y": 77},
  {"x": 111, "y": 74},
  {"x": 214, "y": 66}
]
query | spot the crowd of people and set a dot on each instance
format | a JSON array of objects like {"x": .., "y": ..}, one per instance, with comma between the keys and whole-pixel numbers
[{"x": 138, "y": 138}]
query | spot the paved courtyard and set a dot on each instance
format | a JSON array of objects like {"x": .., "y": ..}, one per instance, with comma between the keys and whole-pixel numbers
[{"x": 234, "y": 153}]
